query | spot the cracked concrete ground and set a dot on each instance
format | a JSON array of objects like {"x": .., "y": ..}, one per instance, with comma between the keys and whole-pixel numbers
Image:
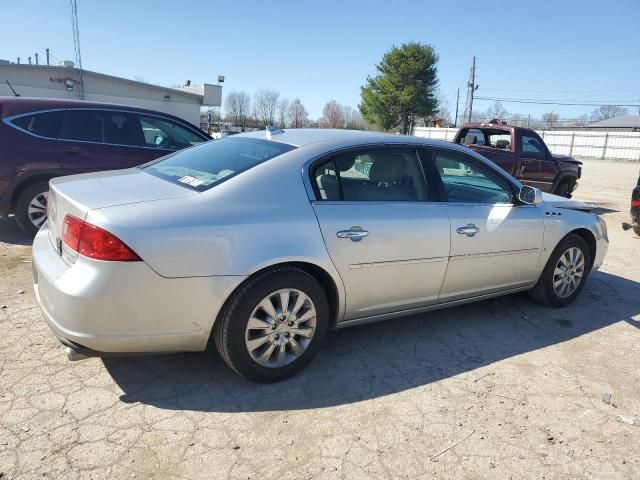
[{"x": 521, "y": 387}]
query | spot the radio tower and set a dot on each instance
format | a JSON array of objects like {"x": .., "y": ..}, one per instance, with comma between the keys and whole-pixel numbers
[{"x": 76, "y": 43}]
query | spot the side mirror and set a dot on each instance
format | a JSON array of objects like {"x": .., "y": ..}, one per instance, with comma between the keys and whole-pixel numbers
[{"x": 530, "y": 195}]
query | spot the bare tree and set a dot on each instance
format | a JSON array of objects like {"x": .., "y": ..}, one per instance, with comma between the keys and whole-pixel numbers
[
  {"x": 266, "y": 104},
  {"x": 244, "y": 106},
  {"x": 298, "y": 116},
  {"x": 550, "y": 120},
  {"x": 353, "y": 119},
  {"x": 497, "y": 111},
  {"x": 608, "y": 111},
  {"x": 581, "y": 121},
  {"x": 283, "y": 108},
  {"x": 517, "y": 120},
  {"x": 232, "y": 108},
  {"x": 333, "y": 115}
]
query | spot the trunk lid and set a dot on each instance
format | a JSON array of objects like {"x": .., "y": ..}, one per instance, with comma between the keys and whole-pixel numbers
[{"x": 78, "y": 194}]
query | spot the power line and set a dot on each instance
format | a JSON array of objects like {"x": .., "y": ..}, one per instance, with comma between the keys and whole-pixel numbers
[
  {"x": 550, "y": 102},
  {"x": 608, "y": 102},
  {"x": 547, "y": 90}
]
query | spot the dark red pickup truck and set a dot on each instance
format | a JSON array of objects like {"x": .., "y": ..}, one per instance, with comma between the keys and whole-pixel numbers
[{"x": 522, "y": 153}]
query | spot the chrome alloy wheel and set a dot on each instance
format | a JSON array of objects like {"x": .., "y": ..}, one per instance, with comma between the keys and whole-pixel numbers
[
  {"x": 568, "y": 273},
  {"x": 38, "y": 209},
  {"x": 280, "y": 328}
]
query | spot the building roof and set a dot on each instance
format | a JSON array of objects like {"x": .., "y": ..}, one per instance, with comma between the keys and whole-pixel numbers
[{"x": 625, "y": 121}]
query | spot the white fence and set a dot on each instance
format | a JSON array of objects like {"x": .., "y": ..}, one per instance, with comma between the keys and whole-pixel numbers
[{"x": 576, "y": 143}]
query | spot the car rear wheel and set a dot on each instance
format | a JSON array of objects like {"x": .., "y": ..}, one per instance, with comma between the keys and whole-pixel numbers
[
  {"x": 31, "y": 207},
  {"x": 565, "y": 274},
  {"x": 272, "y": 327}
]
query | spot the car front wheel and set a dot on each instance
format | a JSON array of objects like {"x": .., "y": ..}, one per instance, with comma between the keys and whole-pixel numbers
[
  {"x": 565, "y": 274},
  {"x": 273, "y": 325}
]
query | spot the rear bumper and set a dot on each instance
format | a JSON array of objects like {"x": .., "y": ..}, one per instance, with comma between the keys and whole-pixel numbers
[{"x": 115, "y": 308}]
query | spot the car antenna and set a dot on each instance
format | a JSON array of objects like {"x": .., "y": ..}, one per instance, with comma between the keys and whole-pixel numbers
[
  {"x": 15, "y": 94},
  {"x": 271, "y": 130}
]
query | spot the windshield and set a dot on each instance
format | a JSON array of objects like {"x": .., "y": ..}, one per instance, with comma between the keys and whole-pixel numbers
[{"x": 202, "y": 167}]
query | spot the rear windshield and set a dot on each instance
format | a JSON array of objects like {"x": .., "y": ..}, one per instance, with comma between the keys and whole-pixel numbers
[{"x": 202, "y": 167}]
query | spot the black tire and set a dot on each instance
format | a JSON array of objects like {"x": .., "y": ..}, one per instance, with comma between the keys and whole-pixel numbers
[
  {"x": 563, "y": 188},
  {"x": 22, "y": 206},
  {"x": 229, "y": 329},
  {"x": 543, "y": 291}
]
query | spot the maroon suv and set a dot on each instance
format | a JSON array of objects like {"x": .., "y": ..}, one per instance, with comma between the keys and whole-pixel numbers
[{"x": 45, "y": 138}]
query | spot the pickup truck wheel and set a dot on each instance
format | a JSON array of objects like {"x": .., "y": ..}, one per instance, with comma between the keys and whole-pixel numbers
[
  {"x": 562, "y": 189},
  {"x": 31, "y": 207},
  {"x": 565, "y": 274}
]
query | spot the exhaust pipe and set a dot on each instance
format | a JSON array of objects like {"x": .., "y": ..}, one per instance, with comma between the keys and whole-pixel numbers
[{"x": 74, "y": 356}]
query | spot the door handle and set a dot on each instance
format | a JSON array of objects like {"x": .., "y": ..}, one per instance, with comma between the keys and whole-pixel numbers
[
  {"x": 470, "y": 230},
  {"x": 355, "y": 234}
]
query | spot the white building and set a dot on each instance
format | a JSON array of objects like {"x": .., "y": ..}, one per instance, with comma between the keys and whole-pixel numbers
[{"x": 65, "y": 81}]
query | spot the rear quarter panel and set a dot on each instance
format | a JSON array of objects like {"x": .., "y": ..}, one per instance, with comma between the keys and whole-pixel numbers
[{"x": 259, "y": 218}]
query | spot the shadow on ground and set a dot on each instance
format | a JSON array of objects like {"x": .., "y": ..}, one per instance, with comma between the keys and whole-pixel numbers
[
  {"x": 11, "y": 233},
  {"x": 374, "y": 360}
]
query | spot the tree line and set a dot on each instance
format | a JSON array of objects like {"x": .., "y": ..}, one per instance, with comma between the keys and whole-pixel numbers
[
  {"x": 548, "y": 120},
  {"x": 268, "y": 107}
]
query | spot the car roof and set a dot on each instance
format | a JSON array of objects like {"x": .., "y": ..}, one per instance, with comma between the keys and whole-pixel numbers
[
  {"x": 301, "y": 137},
  {"x": 16, "y": 105}
]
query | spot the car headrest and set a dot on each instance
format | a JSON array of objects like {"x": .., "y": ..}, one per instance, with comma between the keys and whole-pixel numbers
[
  {"x": 345, "y": 162},
  {"x": 502, "y": 144},
  {"x": 470, "y": 139},
  {"x": 388, "y": 168}
]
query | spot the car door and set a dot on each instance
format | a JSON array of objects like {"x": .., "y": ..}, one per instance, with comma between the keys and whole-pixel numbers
[
  {"x": 495, "y": 241},
  {"x": 95, "y": 140},
  {"x": 538, "y": 168},
  {"x": 161, "y": 136},
  {"x": 387, "y": 238}
]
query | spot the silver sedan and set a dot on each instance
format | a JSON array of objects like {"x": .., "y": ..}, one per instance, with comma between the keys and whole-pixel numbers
[{"x": 259, "y": 243}]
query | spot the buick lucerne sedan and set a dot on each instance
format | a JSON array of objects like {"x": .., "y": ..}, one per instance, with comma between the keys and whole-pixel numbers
[{"x": 259, "y": 243}]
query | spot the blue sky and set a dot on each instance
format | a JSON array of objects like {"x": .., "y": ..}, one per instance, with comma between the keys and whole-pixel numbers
[{"x": 319, "y": 51}]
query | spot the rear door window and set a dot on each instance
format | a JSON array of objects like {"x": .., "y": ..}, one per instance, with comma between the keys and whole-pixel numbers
[
  {"x": 393, "y": 175},
  {"x": 82, "y": 125},
  {"x": 43, "y": 124},
  {"x": 117, "y": 129}
]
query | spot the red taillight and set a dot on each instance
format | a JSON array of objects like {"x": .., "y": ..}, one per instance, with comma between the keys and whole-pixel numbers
[
  {"x": 635, "y": 203},
  {"x": 94, "y": 242}
]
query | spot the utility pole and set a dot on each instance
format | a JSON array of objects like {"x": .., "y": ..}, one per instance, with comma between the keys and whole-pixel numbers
[
  {"x": 455, "y": 121},
  {"x": 472, "y": 87},
  {"x": 47, "y": 57}
]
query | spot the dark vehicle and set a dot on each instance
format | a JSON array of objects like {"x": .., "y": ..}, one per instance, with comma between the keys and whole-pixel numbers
[
  {"x": 45, "y": 138},
  {"x": 635, "y": 211},
  {"x": 522, "y": 153}
]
